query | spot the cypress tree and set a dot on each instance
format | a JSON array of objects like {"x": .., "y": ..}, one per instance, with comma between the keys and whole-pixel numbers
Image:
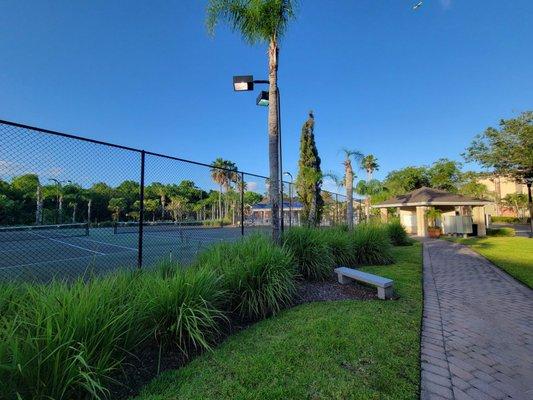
[{"x": 309, "y": 178}]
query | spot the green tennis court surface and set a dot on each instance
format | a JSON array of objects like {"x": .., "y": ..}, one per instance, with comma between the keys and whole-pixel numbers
[{"x": 41, "y": 255}]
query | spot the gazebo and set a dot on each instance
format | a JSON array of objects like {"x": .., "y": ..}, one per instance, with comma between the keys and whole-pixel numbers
[{"x": 458, "y": 212}]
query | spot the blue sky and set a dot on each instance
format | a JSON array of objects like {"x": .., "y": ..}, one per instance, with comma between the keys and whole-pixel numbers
[{"x": 409, "y": 87}]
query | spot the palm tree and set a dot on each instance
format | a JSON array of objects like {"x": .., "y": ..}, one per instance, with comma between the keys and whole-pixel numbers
[
  {"x": 370, "y": 164},
  {"x": 261, "y": 21},
  {"x": 349, "y": 176},
  {"x": 219, "y": 176},
  {"x": 369, "y": 189}
]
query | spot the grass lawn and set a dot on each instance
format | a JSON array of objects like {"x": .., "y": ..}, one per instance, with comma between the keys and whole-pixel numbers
[
  {"x": 512, "y": 254},
  {"x": 329, "y": 350}
]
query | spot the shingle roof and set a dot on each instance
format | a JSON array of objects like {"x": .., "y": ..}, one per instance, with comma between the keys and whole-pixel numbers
[{"x": 427, "y": 196}]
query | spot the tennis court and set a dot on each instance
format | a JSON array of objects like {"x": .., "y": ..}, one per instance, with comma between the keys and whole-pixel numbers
[{"x": 41, "y": 253}]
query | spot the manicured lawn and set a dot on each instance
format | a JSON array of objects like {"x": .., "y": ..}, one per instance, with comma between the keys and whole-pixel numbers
[
  {"x": 512, "y": 254},
  {"x": 330, "y": 350}
]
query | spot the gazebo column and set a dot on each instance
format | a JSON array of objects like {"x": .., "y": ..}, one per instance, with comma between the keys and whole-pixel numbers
[
  {"x": 478, "y": 217},
  {"x": 384, "y": 214},
  {"x": 421, "y": 221}
]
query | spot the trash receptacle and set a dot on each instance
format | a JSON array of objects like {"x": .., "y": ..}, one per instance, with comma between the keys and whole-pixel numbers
[{"x": 474, "y": 229}]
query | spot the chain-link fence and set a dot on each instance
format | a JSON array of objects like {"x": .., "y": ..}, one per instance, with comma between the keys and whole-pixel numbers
[{"x": 71, "y": 206}]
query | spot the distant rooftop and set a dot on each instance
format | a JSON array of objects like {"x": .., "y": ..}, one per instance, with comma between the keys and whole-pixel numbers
[{"x": 431, "y": 197}]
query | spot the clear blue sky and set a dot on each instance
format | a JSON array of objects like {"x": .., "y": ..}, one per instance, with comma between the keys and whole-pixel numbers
[{"x": 409, "y": 87}]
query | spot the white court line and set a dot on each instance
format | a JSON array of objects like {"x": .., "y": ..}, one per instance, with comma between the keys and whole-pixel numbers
[
  {"x": 69, "y": 244},
  {"x": 61, "y": 259},
  {"x": 108, "y": 244}
]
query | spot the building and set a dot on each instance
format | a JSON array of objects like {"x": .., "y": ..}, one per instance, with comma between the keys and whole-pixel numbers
[
  {"x": 458, "y": 213},
  {"x": 499, "y": 187}
]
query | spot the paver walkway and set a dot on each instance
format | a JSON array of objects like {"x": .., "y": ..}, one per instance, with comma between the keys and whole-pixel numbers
[{"x": 477, "y": 330}]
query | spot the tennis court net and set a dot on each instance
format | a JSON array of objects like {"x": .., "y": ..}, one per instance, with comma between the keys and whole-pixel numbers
[
  {"x": 159, "y": 226},
  {"x": 39, "y": 232}
]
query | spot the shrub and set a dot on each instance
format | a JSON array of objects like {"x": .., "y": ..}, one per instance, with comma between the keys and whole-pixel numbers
[
  {"x": 371, "y": 244},
  {"x": 501, "y": 232},
  {"x": 507, "y": 220},
  {"x": 339, "y": 244},
  {"x": 182, "y": 305},
  {"x": 311, "y": 252},
  {"x": 217, "y": 222},
  {"x": 67, "y": 339},
  {"x": 258, "y": 276},
  {"x": 397, "y": 234},
  {"x": 64, "y": 341}
]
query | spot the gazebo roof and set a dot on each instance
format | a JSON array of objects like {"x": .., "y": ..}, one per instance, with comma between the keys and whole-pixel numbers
[{"x": 431, "y": 197}]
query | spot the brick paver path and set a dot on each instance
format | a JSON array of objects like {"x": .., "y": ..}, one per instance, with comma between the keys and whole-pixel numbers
[{"x": 477, "y": 330}]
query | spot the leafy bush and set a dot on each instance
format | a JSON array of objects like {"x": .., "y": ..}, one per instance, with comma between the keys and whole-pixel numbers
[
  {"x": 339, "y": 244},
  {"x": 217, "y": 222},
  {"x": 183, "y": 306},
  {"x": 258, "y": 276},
  {"x": 507, "y": 220},
  {"x": 371, "y": 244},
  {"x": 311, "y": 251},
  {"x": 397, "y": 234},
  {"x": 65, "y": 340},
  {"x": 501, "y": 232}
]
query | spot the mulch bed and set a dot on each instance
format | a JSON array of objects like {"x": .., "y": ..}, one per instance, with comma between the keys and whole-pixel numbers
[{"x": 152, "y": 359}]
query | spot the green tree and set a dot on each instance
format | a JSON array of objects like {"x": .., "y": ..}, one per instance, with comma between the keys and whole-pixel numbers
[
  {"x": 117, "y": 206},
  {"x": 261, "y": 21},
  {"x": 470, "y": 186},
  {"x": 370, "y": 164},
  {"x": 309, "y": 179},
  {"x": 445, "y": 174},
  {"x": 518, "y": 202},
  {"x": 506, "y": 151},
  {"x": 157, "y": 189},
  {"x": 407, "y": 179},
  {"x": 177, "y": 206}
]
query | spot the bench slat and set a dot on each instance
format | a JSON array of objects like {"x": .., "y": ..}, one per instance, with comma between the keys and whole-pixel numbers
[{"x": 364, "y": 277}]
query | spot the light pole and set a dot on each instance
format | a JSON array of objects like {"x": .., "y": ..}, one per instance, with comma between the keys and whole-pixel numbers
[
  {"x": 529, "y": 181},
  {"x": 59, "y": 199},
  {"x": 244, "y": 83},
  {"x": 290, "y": 197}
]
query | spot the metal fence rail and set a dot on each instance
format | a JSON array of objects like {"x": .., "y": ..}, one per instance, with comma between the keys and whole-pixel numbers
[{"x": 71, "y": 206}]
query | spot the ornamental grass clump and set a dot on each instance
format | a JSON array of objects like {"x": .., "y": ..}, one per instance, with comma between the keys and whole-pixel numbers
[
  {"x": 259, "y": 277},
  {"x": 338, "y": 241},
  {"x": 64, "y": 341},
  {"x": 182, "y": 305},
  {"x": 311, "y": 252},
  {"x": 371, "y": 244},
  {"x": 397, "y": 234}
]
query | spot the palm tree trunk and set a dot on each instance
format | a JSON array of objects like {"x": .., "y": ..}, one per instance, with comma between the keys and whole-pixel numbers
[
  {"x": 39, "y": 206},
  {"x": 273, "y": 138},
  {"x": 60, "y": 209},
  {"x": 89, "y": 206},
  {"x": 163, "y": 199},
  {"x": 349, "y": 195},
  {"x": 220, "y": 203}
]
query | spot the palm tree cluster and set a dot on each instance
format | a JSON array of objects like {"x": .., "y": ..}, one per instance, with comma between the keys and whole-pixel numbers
[{"x": 25, "y": 200}]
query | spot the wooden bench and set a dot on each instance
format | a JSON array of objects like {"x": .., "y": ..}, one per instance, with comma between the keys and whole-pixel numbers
[{"x": 384, "y": 285}]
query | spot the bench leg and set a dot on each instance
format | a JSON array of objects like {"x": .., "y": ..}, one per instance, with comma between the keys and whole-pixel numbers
[
  {"x": 385, "y": 293},
  {"x": 343, "y": 280}
]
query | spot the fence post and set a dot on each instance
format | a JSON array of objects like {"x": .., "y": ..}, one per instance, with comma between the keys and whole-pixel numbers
[
  {"x": 242, "y": 203},
  {"x": 141, "y": 213}
]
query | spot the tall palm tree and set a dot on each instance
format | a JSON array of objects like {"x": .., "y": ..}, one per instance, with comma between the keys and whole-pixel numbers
[
  {"x": 370, "y": 164},
  {"x": 219, "y": 176},
  {"x": 261, "y": 21},
  {"x": 349, "y": 176}
]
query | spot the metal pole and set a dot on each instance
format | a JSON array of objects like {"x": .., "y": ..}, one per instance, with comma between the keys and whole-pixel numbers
[
  {"x": 242, "y": 203},
  {"x": 280, "y": 162},
  {"x": 290, "y": 204},
  {"x": 141, "y": 213},
  {"x": 530, "y": 200}
]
